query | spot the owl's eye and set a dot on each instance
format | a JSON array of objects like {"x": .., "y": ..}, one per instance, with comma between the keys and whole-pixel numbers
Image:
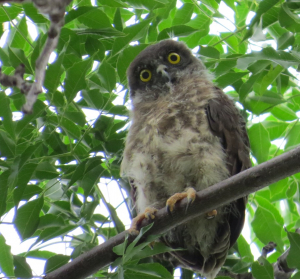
[
  {"x": 145, "y": 75},
  {"x": 174, "y": 58}
]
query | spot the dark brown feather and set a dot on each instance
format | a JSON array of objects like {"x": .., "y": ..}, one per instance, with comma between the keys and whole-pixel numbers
[{"x": 227, "y": 123}]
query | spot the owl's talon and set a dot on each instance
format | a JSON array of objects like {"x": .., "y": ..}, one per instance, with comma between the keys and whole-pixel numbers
[
  {"x": 211, "y": 214},
  {"x": 148, "y": 214},
  {"x": 169, "y": 210},
  {"x": 190, "y": 194}
]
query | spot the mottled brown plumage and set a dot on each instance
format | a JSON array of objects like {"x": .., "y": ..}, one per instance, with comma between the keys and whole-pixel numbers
[{"x": 185, "y": 132}]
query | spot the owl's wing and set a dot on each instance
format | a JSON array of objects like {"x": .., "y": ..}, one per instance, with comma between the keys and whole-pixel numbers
[{"x": 226, "y": 122}]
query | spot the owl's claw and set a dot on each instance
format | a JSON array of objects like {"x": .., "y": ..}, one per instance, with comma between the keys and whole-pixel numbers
[
  {"x": 190, "y": 194},
  {"x": 211, "y": 214},
  {"x": 148, "y": 214}
]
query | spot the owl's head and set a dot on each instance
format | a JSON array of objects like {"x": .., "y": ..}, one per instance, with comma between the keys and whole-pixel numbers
[{"x": 158, "y": 68}]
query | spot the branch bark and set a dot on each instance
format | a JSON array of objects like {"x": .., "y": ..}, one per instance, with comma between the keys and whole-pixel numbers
[
  {"x": 222, "y": 193},
  {"x": 280, "y": 267},
  {"x": 55, "y": 9}
]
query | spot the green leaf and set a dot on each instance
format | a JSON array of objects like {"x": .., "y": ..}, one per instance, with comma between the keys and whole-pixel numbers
[
  {"x": 244, "y": 249},
  {"x": 283, "y": 112},
  {"x": 184, "y": 14},
  {"x": 70, "y": 128},
  {"x": 6, "y": 258},
  {"x": 259, "y": 142},
  {"x": 149, "y": 270},
  {"x": 55, "y": 262},
  {"x": 112, "y": 3},
  {"x": 285, "y": 40},
  {"x": 280, "y": 57},
  {"x": 27, "y": 217},
  {"x": 6, "y": 115},
  {"x": 54, "y": 190},
  {"x": 292, "y": 189},
  {"x": 225, "y": 66},
  {"x": 29, "y": 192},
  {"x": 266, "y": 228},
  {"x": 8, "y": 13},
  {"x": 176, "y": 31},
  {"x": 261, "y": 104},
  {"x": 117, "y": 22},
  {"x": 32, "y": 12},
  {"x": 157, "y": 248},
  {"x": 95, "y": 48},
  {"x": 7, "y": 145},
  {"x": 229, "y": 78},
  {"x": 278, "y": 190},
  {"x": 43, "y": 255},
  {"x": 288, "y": 19},
  {"x": 38, "y": 48},
  {"x": 276, "y": 129},
  {"x": 293, "y": 256},
  {"x": 52, "y": 232},
  {"x": 51, "y": 220},
  {"x": 18, "y": 36},
  {"x": 209, "y": 52},
  {"x": 75, "y": 78},
  {"x": 94, "y": 18},
  {"x": 107, "y": 76},
  {"x": 25, "y": 173},
  {"x": 133, "y": 249},
  {"x": 90, "y": 179},
  {"x": 262, "y": 269},
  {"x": 3, "y": 190},
  {"x": 17, "y": 57},
  {"x": 133, "y": 32},
  {"x": 269, "y": 78},
  {"x": 145, "y": 4},
  {"x": 22, "y": 268},
  {"x": 45, "y": 170},
  {"x": 264, "y": 6},
  {"x": 293, "y": 137},
  {"x": 54, "y": 72},
  {"x": 266, "y": 204}
]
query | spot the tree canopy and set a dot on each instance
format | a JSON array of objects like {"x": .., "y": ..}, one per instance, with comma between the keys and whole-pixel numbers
[{"x": 52, "y": 159}]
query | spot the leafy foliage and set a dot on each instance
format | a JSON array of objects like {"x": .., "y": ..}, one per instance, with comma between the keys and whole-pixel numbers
[{"x": 52, "y": 160}]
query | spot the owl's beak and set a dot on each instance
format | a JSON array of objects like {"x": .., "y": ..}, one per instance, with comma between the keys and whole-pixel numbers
[{"x": 163, "y": 70}]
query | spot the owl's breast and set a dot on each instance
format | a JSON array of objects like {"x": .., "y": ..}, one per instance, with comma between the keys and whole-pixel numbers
[
  {"x": 172, "y": 150},
  {"x": 170, "y": 145}
]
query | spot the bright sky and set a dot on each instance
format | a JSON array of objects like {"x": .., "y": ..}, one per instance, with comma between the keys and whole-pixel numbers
[{"x": 109, "y": 188}]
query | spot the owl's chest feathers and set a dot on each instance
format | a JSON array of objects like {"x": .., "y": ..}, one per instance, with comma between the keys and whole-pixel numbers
[{"x": 170, "y": 147}]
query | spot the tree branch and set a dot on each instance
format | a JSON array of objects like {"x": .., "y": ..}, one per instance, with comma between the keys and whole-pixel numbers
[
  {"x": 280, "y": 267},
  {"x": 222, "y": 193},
  {"x": 55, "y": 9}
]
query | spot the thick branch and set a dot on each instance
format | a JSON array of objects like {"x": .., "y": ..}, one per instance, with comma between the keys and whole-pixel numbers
[{"x": 240, "y": 185}]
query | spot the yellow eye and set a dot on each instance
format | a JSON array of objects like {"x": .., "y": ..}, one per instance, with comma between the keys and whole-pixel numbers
[
  {"x": 145, "y": 75},
  {"x": 174, "y": 58}
]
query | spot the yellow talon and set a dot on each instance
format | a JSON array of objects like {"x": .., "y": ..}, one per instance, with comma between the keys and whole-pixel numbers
[
  {"x": 190, "y": 194},
  {"x": 148, "y": 214},
  {"x": 212, "y": 214}
]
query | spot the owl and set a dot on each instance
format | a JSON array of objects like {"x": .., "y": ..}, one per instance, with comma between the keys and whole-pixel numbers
[{"x": 185, "y": 135}]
